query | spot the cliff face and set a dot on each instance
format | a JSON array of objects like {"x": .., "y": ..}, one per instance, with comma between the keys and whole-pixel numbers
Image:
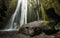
[
  {"x": 51, "y": 8},
  {"x": 51, "y": 11}
]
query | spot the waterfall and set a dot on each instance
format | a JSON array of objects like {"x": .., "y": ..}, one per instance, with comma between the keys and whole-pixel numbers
[
  {"x": 37, "y": 8},
  {"x": 11, "y": 22},
  {"x": 19, "y": 16},
  {"x": 23, "y": 13}
]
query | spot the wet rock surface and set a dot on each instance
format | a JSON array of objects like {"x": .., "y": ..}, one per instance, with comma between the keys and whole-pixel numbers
[{"x": 19, "y": 35}]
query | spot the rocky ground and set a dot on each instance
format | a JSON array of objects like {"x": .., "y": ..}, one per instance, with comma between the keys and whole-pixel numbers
[
  {"x": 34, "y": 29},
  {"x": 18, "y": 35}
]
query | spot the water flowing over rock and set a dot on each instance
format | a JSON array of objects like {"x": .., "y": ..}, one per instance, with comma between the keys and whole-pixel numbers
[{"x": 19, "y": 17}]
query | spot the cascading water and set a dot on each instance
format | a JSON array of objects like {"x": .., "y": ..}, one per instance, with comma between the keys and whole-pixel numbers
[
  {"x": 37, "y": 7},
  {"x": 23, "y": 13},
  {"x": 19, "y": 17},
  {"x": 11, "y": 22}
]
